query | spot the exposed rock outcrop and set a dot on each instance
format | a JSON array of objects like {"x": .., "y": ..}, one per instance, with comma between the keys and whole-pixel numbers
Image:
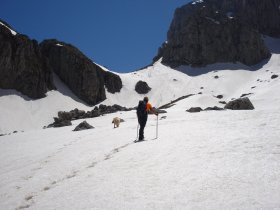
[
  {"x": 113, "y": 82},
  {"x": 142, "y": 87},
  {"x": 211, "y": 31},
  {"x": 274, "y": 76},
  {"x": 261, "y": 15},
  {"x": 215, "y": 108},
  {"x": 83, "y": 126},
  {"x": 22, "y": 66},
  {"x": 65, "y": 118},
  {"x": 79, "y": 73},
  {"x": 240, "y": 104},
  {"x": 59, "y": 122},
  {"x": 194, "y": 109},
  {"x": 172, "y": 103}
]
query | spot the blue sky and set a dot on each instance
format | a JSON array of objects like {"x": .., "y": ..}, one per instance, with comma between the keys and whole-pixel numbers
[{"x": 122, "y": 35}]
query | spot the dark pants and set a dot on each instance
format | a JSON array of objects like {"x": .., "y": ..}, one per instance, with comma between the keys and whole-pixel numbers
[{"x": 142, "y": 122}]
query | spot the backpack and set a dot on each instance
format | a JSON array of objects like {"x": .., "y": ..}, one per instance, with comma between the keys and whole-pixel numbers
[{"x": 141, "y": 109}]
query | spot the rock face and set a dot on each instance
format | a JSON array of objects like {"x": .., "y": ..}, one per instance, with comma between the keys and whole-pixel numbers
[
  {"x": 83, "y": 126},
  {"x": 194, "y": 109},
  {"x": 263, "y": 16},
  {"x": 211, "y": 31},
  {"x": 22, "y": 66},
  {"x": 113, "y": 82},
  {"x": 27, "y": 67},
  {"x": 240, "y": 104},
  {"x": 274, "y": 76},
  {"x": 142, "y": 87},
  {"x": 82, "y": 76},
  {"x": 58, "y": 122}
]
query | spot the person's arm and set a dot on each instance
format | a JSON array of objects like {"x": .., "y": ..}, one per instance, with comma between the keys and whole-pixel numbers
[{"x": 152, "y": 110}]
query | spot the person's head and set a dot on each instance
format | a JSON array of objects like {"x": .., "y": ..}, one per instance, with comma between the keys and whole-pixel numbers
[{"x": 146, "y": 99}]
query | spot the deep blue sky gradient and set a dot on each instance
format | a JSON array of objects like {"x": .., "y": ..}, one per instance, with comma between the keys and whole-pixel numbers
[{"x": 123, "y": 35}]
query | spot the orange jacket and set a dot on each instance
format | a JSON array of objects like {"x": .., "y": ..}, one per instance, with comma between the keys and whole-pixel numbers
[{"x": 148, "y": 107}]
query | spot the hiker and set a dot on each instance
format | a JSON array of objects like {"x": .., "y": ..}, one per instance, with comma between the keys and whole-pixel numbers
[{"x": 144, "y": 107}]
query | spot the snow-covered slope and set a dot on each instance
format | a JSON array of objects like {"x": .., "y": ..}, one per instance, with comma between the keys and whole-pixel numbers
[
  {"x": 208, "y": 160},
  {"x": 168, "y": 84},
  {"x": 20, "y": 113}
]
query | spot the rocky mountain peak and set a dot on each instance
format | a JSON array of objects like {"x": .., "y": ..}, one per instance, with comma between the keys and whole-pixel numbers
[
  {"x": 27, "y": 67},
  {"x": 210, "y": 31}
]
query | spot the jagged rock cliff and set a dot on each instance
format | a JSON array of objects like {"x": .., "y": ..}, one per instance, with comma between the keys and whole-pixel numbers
[
  {"x": 27, "y": 67},
  {"x": 211, "y": 31},
  {"x": 22, "y": 66},
  {"x": 79, "y": 73}
]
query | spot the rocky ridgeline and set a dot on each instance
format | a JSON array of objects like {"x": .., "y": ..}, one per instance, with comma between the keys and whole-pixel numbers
[
  {"x": 210, "y": 31},
  {"x": 83, "y": 126},
  {"x": 28, "y": 67},
  {"x": 80, "y": 74},
  {"x": 65, "y": 118},
  {"x": 237, "y": 104}
]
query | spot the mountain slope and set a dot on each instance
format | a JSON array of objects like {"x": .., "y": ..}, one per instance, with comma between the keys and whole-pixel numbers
[
  {"x": 215, "y": 159},
  {"x": 225, "y": 159},
  {"x": 167, "y": 84}
]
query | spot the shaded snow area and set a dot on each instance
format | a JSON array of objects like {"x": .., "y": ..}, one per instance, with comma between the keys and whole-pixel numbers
[
  {"x": 207, "y": 160},
  {"x": 20, "y": 113}
]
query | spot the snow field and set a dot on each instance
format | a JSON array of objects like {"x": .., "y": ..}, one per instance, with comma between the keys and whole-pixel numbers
[
  {"x": 226, "y": 159},
  {"x": 207, "y": 160}
]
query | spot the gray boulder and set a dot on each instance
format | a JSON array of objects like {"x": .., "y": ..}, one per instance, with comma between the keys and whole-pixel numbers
[
  {"x": 83, "y": 126},
  {"x": 194, "y": 109},
  {"x": 274, "y": 76},
  {"x": 219, "y": 96},
  {"x": 240, "y": 104},
  {"x": 142, "y": 87}
]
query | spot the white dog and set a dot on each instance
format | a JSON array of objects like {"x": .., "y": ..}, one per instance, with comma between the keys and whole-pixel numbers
[{"x": 116, "y": 122}]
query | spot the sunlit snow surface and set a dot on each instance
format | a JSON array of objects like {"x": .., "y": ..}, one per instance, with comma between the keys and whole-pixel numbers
[{"x": 207, "y": 160}]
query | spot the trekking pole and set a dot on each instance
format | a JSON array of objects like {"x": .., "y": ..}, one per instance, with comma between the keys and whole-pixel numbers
[
  {"x": 157, "y": 127},
  {"x": 137, "y": 132}
]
